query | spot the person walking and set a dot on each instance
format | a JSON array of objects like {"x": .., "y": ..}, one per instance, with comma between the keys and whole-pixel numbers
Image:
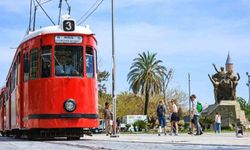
[
  {"x": 161, "y": 114},
  {"x": 196, "y": 115},
  {"x": 191, "y": 130},
  {"x": 174, "y": 118},
  {"x": 217, "y": 122},
  {"x": 108, "y": 119}
]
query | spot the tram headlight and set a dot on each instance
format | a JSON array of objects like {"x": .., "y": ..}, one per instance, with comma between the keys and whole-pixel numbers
[{"x": 70, "y": 105}]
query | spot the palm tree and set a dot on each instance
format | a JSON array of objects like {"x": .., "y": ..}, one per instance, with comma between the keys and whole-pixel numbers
[{"x": 145, "y": 76}]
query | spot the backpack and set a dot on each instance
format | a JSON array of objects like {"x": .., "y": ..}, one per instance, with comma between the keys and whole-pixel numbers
[
  {"x": 199, "y": 107},
  {"x": 160, "y": 110}
]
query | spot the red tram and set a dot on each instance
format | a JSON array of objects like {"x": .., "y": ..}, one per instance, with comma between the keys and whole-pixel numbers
[{"x": 51, "y": 87}]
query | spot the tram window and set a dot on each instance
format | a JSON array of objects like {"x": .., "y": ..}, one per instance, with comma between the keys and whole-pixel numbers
[
  {"x": 26, "y": 66},
  {"x": 6, "y": 95},
  {"x": 33, "y": 63},
  {"x": 7, "y": 91},
  {"x": 13, "y": 78},
  {"x": 46, "y": 61},
  {"x": 68, "y": 61},
  {"x": 1, "y": 100},
  {"x": 89, "y": 62},
  {"x": 96, "y": 64},
  {"x": 18, "y": 58}
]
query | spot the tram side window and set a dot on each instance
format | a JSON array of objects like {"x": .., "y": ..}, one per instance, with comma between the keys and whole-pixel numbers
[
  {"x": 33, "y": 63},
  {"x": 1, "y": 101},
  {"x": 7, "y": 91},
  {"x": 26, "y": 66},
  {"x": 89, "y": 62},
  {"x": 68, "y": 61},
  {"x": 13, "y": 78},
  {"x": 46, "y": 61}
]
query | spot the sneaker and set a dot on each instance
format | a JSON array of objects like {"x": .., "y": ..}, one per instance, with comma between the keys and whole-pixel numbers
[{"x": 190, "y": 132}]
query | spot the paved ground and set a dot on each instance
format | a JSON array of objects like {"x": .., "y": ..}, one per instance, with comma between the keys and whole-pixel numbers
[{"x": 133, "y": 142}]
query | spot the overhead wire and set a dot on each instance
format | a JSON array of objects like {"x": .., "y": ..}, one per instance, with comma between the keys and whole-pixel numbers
[
  {"x": 91, "y": 7},
  {"x": 45, "y": 12},
  {"x": 88, "y": 15}
]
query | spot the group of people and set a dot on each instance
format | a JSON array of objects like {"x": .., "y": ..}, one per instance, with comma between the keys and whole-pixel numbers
[
  {"x": 161, "y": 115},
  {"x": 174, "y": 118}
]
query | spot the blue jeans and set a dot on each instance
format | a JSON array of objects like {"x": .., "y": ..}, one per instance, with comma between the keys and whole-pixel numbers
[
  {"x": 162, "y": 121},
  {"x": 217, "y": 127},
  {"x": 197, "y": 124}
]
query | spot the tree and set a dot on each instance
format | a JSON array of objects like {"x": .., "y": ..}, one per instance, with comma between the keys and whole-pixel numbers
[
  {"x": 180, "y": 97},
  {"x": 102, "y": 77},
  {"x": 103, "y": 97},
  {"x": 129, "y": 104},
  {"x": 244, "y": 106},
  {"x": 145, "y": 76},
  {"x": 165, "y": 79}
]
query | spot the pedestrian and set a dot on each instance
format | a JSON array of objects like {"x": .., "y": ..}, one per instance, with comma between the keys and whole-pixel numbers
[
  {"x": 191, "y": 130},
  {"x": 118, "y": 122},
  {"x": 196, "y": 115},
  {"x": 108, "y": 119},
  {"x": 217, "y": 122},
  {"x": 161, "y": 114},
  {"x": 152, "y": 121},
  {"x": 174, "y": 118}
]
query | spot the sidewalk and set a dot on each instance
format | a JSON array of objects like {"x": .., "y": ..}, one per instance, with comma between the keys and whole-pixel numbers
[{"x": 224, "y": 139}]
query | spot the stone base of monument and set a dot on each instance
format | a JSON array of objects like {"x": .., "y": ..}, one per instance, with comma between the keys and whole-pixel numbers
[{"x": 230, "y": 111}]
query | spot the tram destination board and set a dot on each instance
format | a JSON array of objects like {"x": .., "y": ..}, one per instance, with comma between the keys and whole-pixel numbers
[{"x": 68, "y": 39}]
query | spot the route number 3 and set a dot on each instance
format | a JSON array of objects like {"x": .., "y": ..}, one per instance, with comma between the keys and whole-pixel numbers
[{"x": 68, "y": 25}]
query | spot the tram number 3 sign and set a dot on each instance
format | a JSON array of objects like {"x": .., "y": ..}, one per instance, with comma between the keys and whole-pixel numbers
[{"x": 68, "y": 25}]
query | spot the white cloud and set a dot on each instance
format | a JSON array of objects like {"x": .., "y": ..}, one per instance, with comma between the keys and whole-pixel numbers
[{"x": 15, "y": 6}]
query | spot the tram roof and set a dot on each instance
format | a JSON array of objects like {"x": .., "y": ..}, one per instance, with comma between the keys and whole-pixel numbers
[{"x": 56, "y": 29}]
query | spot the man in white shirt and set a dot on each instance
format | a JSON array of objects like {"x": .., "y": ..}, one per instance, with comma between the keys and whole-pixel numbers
[
  {"x": 65, "y": 69},
  {"x": 196, "y": 115}
]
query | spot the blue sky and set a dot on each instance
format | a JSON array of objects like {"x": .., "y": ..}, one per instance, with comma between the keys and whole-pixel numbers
[{"x": 188, "y": 35}]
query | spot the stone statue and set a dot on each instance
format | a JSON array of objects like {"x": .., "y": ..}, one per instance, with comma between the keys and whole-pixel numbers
[
  {"x": 234, "y": 84},
  {"x": 216, "y": 86},
  {"x": 225, "y": 84},
  {"x": 220, "y": 74}
]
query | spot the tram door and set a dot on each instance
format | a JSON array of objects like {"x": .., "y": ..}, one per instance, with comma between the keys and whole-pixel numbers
[
  {"x": 1, "y": 111},
  {"x": 7, "y": 108},
  {"x": 13, "y": 90}
]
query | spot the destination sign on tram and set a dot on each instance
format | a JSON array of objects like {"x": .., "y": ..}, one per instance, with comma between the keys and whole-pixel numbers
[{"x": 68, "y": 39}]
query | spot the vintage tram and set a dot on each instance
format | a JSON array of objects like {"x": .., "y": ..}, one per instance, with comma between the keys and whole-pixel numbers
[{"x": 51, "y": 88}]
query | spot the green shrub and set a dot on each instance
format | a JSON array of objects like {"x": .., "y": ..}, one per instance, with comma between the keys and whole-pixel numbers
[{"x": 141, "y": 124}]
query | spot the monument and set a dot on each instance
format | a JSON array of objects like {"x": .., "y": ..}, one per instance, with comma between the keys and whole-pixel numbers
[{"x": 225, "y": 83}]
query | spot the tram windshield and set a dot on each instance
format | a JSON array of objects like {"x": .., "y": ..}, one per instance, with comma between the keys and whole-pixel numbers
[{"x": 68, "y": 61}]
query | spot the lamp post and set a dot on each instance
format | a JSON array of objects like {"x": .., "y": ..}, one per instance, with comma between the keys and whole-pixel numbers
[
  {"x": 189, "y": 94},
  {"x": 248, "y": 84},
  {"x": 113, "y": 72}
]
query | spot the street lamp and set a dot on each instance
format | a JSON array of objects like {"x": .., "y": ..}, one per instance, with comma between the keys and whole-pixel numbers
[
  {"x": 113, "y": 72},
  {"x": 189, "y": 94},
  {"x": 248, "y": 84}
]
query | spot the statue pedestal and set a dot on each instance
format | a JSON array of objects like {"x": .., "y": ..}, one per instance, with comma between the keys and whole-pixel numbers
[{"x": 230, "y": 112}]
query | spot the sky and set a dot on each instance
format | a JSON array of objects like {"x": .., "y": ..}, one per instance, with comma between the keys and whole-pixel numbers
[{"x": 187, "y": 35}]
